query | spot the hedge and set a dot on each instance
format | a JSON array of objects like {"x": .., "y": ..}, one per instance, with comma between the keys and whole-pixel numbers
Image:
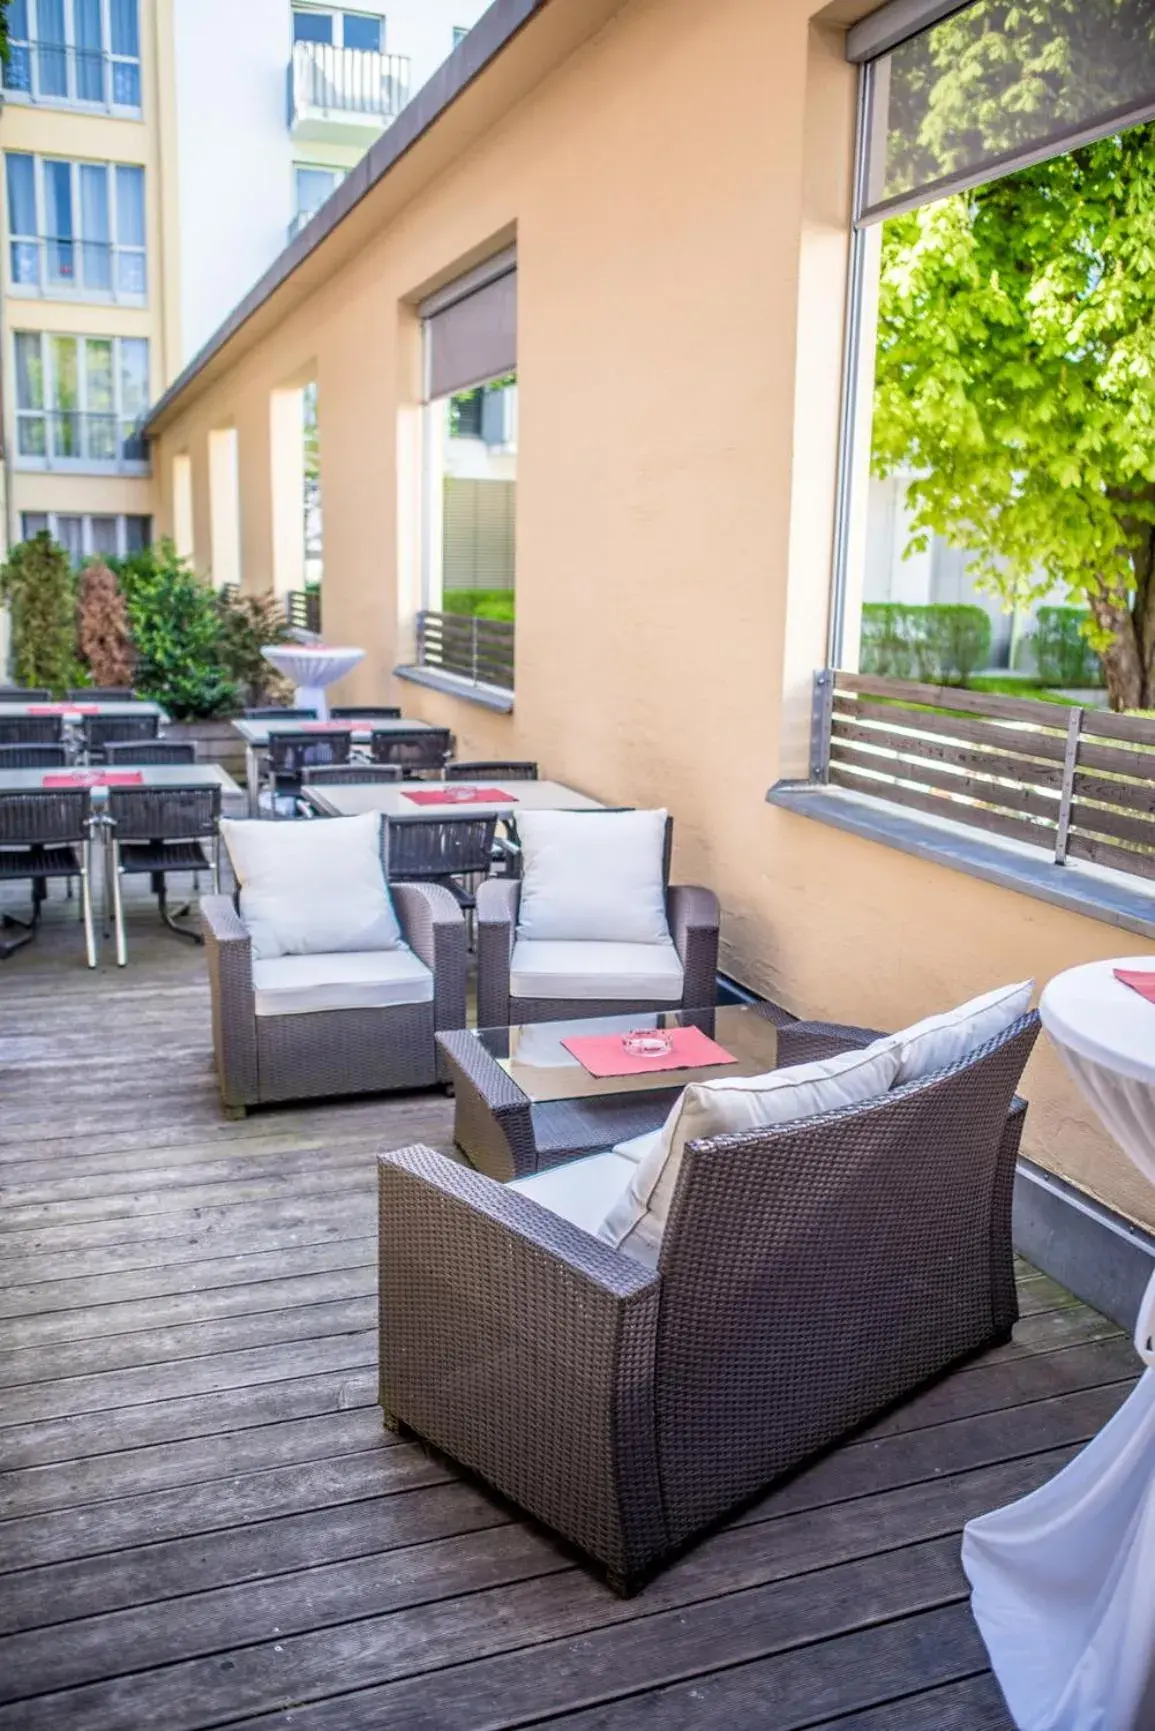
[
  {"x": 938, "y": 644},
  {"x": 1062, "y": 654},
  {"x": 483, "y": 603}
]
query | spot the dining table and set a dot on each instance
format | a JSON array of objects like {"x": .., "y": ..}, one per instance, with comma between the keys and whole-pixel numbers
[
  {"x": 1063, "y": 1582},
  {"x": 160, "y": 775},
  {"x": 439, "y": 799},
  {"x": 73, "y": 714},
  {"x": 256, "y": 734}
]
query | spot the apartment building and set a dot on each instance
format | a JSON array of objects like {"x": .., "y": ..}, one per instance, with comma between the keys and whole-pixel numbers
[{"x": 158, "y": 155}]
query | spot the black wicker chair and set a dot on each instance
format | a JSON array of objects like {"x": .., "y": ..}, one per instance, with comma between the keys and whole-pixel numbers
[
  {"x": 132, "y": 751},
  {"x": 31, "y": 729},
  {"x": 103, "y": 730},
  {"x": 809, "y": 1276},
  {"x": 292, "y": 757},
  {"x": 349, "y": 774},
  {"x": 32, "y": 757},
  {"x": 371, "y": 712},
  {"x": 25, "y": 694},
  {"x": 101, "y": 694},
  {"x": 274, "y": 714},
  {"x": 499, "y": 771},
  {"x": 423, "y": 749},
  {"x": 454, "y": 851},
  {"x": 46, "y": 834},
  {"x": 157, "y": 830}
]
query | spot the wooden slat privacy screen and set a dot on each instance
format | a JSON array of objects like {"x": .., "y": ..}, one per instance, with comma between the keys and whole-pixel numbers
[
  {"x": 471, "y": 648},
  {"x": 1078, "y": 782}
]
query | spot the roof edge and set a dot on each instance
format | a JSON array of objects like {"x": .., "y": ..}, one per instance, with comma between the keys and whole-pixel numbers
[{"x": 494, "y": 30}]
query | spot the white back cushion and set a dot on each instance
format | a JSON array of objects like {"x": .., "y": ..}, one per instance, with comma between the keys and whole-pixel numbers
[
  {"x": 593, "y": 876},
  {"x": 312, "y": 889},
  {"x": 936, "y": 1041},
  {"x": 637, "y": 1220}
]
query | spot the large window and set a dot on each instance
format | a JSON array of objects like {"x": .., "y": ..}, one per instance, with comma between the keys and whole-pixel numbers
[
  {"x": 75, "y": 52},
  {"x": 362, "y": 30},
  {"x": 76, "y": 229},
  {"x": 84, "y": 536},
  {"x": 79, "y": 401},
  {"x": 311, "y": 187}
]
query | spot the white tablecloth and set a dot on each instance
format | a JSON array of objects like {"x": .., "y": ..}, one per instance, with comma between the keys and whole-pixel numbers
[
  {"x": 312, "y": 667},
  {"x": 1064, "y": 1581}
]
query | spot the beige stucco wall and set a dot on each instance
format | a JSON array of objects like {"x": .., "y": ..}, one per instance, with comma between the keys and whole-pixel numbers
[{"x": 677, "y": 178}]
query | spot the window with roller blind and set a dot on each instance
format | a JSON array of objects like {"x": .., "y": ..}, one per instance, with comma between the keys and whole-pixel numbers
[
  {"x": 85, "y": 535},
  {"x": 471, "y": 435}
]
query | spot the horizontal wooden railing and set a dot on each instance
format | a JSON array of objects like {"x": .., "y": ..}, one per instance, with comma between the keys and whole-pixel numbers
[
  {"x": 1078, "y": 782},
  {"x": 480, "y": 650}
]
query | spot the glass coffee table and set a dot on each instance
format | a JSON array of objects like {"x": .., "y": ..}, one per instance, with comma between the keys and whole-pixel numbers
[{"x": 524, "y": 1103}]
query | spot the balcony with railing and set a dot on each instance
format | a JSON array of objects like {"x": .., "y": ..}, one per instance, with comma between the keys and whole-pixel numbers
[
  {"x": 57, "y": 75},
  {"x": 77, "y": 441},
  {"x": 60, "y": 267},
  {"x": 344, "y": 95}
]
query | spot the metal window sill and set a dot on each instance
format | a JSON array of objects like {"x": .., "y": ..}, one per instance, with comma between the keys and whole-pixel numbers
[
  {"x": 485, "y": 696},
  {"x": 1094, "y": 891}
]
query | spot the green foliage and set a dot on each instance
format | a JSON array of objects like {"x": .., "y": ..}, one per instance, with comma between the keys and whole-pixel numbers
[
  {"x": 248, "y": 622},
  {"x": 5, "y": 50},
  {"x": 176, "y": 626},
  {"x": 38, "y": 584},
  {"x": 483, "y": 603},
  {"x": 1008, "y": 685},
  {"x": 1063, "y": 655},
  {"x": 1016, "y": 357},
  {"x": 939, "y": 645}
]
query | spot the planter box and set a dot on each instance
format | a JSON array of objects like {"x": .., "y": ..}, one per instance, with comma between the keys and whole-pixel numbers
[{"x": 215, "y": 741}]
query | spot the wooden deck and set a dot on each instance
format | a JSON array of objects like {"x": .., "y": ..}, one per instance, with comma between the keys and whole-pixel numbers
[{"x": 204, "y": 1524}]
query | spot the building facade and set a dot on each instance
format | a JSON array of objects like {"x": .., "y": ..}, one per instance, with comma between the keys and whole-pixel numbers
[{"x": 157, "y": 155}]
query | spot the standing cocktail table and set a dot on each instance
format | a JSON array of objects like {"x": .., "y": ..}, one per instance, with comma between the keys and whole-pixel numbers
[{"x": 523, "y": 1103}]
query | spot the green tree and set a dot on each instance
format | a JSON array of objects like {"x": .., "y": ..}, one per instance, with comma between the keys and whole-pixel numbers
[
  {"x": 39, "y": 587},
  {"x": 176, "y": 628}
]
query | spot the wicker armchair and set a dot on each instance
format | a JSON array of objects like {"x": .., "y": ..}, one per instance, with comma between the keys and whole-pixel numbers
[
  {"x": 809, "y": 1276},
  {"x": 693, "y": 915},
  {"x": 264, "y": 1058}
]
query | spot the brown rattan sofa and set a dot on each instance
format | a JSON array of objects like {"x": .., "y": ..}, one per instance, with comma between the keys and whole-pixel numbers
[
  {"x": 809, "y": 1276},
  {"x": 264, "y": 1058}
]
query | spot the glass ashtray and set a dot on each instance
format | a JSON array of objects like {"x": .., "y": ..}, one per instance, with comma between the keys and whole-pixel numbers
[
  {"x": 648, "y": 1043},
  {"x": 450, "y": 792}
]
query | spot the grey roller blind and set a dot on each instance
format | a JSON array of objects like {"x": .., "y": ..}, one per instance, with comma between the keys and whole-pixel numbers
[
  {"x": 998, "y": 85},
  {"x": 471, "y": 329}
]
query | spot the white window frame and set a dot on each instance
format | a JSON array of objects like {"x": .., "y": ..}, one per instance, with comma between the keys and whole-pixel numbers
[
  {"x": 337, "y": 14},
  {"x": 52, "y": 518},
  {"x": 56, "y": 289},
  {"x": 82, "y": 465},
  {"x": 27, "y": 52}
]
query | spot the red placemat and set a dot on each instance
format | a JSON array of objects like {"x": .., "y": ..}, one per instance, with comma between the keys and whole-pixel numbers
[
  {"x": 1142, "y": 982},
  {"x": 64, "y": 709},
  {"x": 95, "y": 778},
  {"x": 605, "y": 1055},
  {"x": 460, "y": 793},
  {"x": 326, "y": 727}
]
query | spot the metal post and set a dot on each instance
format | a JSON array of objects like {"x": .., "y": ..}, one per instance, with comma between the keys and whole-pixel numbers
[
  {"x": 473, "y": 648},
  {"x": 1067, "y": 791},
  {"x": 821, "y": 716}
]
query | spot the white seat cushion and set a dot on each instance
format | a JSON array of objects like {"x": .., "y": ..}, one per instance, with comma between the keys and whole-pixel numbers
[
  {"x": 546, "y": 968},
  {"x": 349, "y": 980},
  {"x": 725, "y": 1107},
  {"x": 637, "y": 1148},
  {"x": 581, "y": 1191},
  {"x": 593, "y": 875},
  {"x": 937, "y": 1041},
  {"x": 310, "y": 889}
]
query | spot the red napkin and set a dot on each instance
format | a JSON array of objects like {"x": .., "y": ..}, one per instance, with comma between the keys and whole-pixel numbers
[
  {"x": 326, "y": 727},
  {"x": 95, "y": 778},
  {"x": 64, "y": 709},
  {"x": 605, "y": 1055},
  {"x": 1141, "y": 982},
  {"x": 459, "y": 793}
]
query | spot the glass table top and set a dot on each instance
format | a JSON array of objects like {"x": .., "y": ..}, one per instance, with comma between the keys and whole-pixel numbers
[{"x": 533, "y": 1057}]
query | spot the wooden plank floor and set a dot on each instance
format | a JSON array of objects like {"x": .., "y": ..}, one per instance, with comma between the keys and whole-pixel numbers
[{"x": 205, "y": 1525}]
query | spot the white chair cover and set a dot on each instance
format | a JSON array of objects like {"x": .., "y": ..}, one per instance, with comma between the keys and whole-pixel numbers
[{"x": 1063, "y": 1582}]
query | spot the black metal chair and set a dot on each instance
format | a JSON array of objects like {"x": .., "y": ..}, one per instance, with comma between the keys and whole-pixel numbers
[
  {"x": 31, "y": 729},
  {"x": 292, "y": 757},
  {"x": 25, "y": 694},
  {"x": 103, "y": 730},
  {"x": 423, "y": 749},
  {"x": 349, "y": 774},
  {"x": 441, "y": 850},
  {"x": 500, "y": 771},
  {"x": 46, "y": 834},
  {"x": 274, "y": 714},
  {"x": 158, "y": 830},
  {"x": 372, "y": 712},
  {"x": 133, "y": 751},
  {"x": 101, "y": 694},
  {"x": 32, "y": 757}
]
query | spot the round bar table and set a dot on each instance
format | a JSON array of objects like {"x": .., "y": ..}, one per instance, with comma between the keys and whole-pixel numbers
[
  {"x": 312, "y": 667},
  {"x": 1063, "y": 1582}
]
